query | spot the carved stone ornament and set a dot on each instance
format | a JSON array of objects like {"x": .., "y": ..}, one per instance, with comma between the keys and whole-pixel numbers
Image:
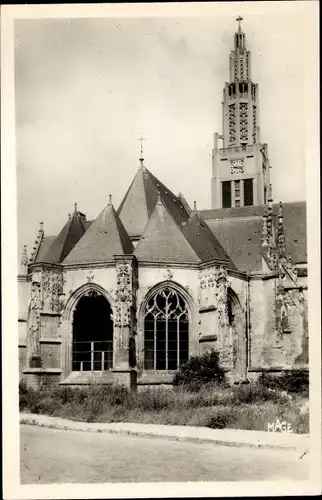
[
  {"x": 272, "y": 258},
  {"x": 123, "y": 294},
  {"x": 91, "y": 293},
  {"x": 207, "y": 278},
  {"x": 221, "y": 292},
  {"x": 124, "y": 282},
  {"x": 36, "y": 305},
  {"x": 52, "y": 289},
  {"x": 283, "y": 301},
  {"x": 90, "y": 276},
  {"x": 168, "y": 274},
  {"x": 301, "y": 298},
  {"x": 289, "y": 271},
  {"x": 207, "y": 287}
]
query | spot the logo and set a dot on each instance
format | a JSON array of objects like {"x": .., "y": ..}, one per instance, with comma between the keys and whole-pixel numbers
[{"x": 279, "y": 426}]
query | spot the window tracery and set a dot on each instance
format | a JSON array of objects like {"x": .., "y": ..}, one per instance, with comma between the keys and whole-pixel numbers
[
  {"x": 232, "y": 123},
  {"x": 254, "y": 123},
  {"x": 166, "y": 331},
  {"x": 243, "y": 121}
]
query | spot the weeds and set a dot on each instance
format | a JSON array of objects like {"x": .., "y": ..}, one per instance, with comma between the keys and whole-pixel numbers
[{"x": 245, "y": 407}]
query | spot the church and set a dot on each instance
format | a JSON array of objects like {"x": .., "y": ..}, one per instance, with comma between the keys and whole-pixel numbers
[{"x": 128, "y": 297}]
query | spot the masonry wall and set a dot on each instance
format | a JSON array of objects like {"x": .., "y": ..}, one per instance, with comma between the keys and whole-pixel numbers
[
  {"x": 23, "y": 304},
  {"x": 185, "y": 280},
  {"x": 272, "y": 347}
]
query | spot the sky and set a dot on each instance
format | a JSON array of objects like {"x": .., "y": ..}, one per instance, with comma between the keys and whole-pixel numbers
[{"x": 86, "y": 88}]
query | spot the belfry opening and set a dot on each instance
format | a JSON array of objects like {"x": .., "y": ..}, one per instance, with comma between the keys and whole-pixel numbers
[{"x": 92, "y": 346}]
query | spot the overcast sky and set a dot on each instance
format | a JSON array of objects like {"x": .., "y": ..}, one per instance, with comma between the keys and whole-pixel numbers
[{"x": 87, "y": 88}]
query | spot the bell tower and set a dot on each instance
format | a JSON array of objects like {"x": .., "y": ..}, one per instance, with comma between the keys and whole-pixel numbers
[{"x": 240, "y": 167}]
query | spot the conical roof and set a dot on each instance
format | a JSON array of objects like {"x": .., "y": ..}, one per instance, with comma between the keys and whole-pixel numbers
[
  {"x": 141, "y": 198},
  {"x": 203, "y": 240},
  {"x": 163, "y": 240},
  {"x": 66, "y": 239},
  {"x": 104, "y": 238}
]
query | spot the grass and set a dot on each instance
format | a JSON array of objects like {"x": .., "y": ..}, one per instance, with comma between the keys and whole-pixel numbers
[{"x": 249, "y": 407}]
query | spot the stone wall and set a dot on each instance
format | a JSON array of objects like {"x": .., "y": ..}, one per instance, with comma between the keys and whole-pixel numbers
[
  {"x": 259, "y": 334},
  {"x": 278, "y": 326}
]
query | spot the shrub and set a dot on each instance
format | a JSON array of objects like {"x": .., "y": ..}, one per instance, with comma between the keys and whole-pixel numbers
[
  {"x": 200, "y": 370},
  {"x": 29, "y": 399},
  {"x": 255, "y": 393},
  {"x": 296, "y": 381}
]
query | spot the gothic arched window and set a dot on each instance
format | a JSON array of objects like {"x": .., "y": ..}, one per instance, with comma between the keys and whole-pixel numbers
[{"x": 166, "y": 331}]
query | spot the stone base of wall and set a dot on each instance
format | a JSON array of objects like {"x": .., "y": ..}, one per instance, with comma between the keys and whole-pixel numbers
[
  {"x": 40, "y": 378},
  {"x": 127, "y": 378},
  {"x": 255, "y": 373},
  {"x": 22, "y": 360}
]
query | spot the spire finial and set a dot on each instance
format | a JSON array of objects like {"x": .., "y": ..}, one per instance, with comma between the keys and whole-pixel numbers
[
  {"x": 239, "y": 20},
  {"x": 24, "y": 256},
  {"x": 41, "y": 226},
  {"x": 280, "y": 211},
  {"x": 141, "y": 151},
  {"x": 75, "y": 207},
  {"x": 195, "y": 206},
  {"x": 24, "y": 261},
  {"x": 110, "y": 199},
  {"x": 159, "y": 199},
  {"x": 264, "y": 231}
]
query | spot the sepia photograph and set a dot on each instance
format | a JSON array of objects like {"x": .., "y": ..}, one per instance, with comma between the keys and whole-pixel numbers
[{"x": 162, "y": 163}]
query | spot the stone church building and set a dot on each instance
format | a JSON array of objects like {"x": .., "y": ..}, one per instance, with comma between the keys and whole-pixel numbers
[{"x": 131, "y": 295}]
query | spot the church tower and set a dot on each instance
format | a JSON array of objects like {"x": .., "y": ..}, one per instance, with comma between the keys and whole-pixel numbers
[{"x": 240, "y": 167}]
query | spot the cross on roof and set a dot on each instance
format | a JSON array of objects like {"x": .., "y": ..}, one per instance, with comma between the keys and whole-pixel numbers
[
  {"x": 142, "y": 139},
  {"x": 239, "y": 19}
]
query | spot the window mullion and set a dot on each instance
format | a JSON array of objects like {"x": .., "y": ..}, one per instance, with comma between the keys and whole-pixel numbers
[
  {"x": 178, "y": 342},
  {"x": 166, "y": 337},
  {"x": 155, "y": 343}
]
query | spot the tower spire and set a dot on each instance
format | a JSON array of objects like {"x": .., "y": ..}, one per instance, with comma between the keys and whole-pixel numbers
[{"x": 241, "y": 151}]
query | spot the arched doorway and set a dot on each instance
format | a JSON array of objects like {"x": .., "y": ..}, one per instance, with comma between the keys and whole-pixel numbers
[
  {"x": 166, "y": 330},
  {"x": 92, "y": 343},
  {"x": 236, "y": 322}
]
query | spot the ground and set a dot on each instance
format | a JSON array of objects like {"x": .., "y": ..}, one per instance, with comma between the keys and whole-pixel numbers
[{"x": 61, "y": 456}]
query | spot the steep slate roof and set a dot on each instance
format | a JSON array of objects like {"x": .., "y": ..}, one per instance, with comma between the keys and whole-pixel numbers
[
  {"x": 104, "y": 238},
  {"x": 45, "y": 244},
  {"x": 239, "y": 232},
  {"x": 203, "y": 241},
  {"x": 140, "y": 200},
  {"x": 241, "y": 238},
  {"x": 87, "y": 223},
  {"x": 66, "y": 240},
  {"x": 163, "y": 240},
  {"x": 167, "y": 240}
]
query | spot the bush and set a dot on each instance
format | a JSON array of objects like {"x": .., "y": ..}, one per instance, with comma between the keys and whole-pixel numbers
[
  {"x": 255, "y": 393},
  {"x": 200, "y": 370},
  {"x": 29, "y": 399},
  {"x": 291, "y": 381}
]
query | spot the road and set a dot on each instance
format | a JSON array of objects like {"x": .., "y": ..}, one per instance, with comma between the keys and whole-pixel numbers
[{"x": 60, "y": 456}]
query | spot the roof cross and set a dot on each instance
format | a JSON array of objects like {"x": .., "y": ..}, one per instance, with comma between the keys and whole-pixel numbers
[
  {"x": 142, "y": 139},
  {"x": 239, "y": 19}
]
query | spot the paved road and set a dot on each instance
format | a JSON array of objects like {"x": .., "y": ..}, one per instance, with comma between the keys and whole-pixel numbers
[{"x": 59, "y": 456}]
